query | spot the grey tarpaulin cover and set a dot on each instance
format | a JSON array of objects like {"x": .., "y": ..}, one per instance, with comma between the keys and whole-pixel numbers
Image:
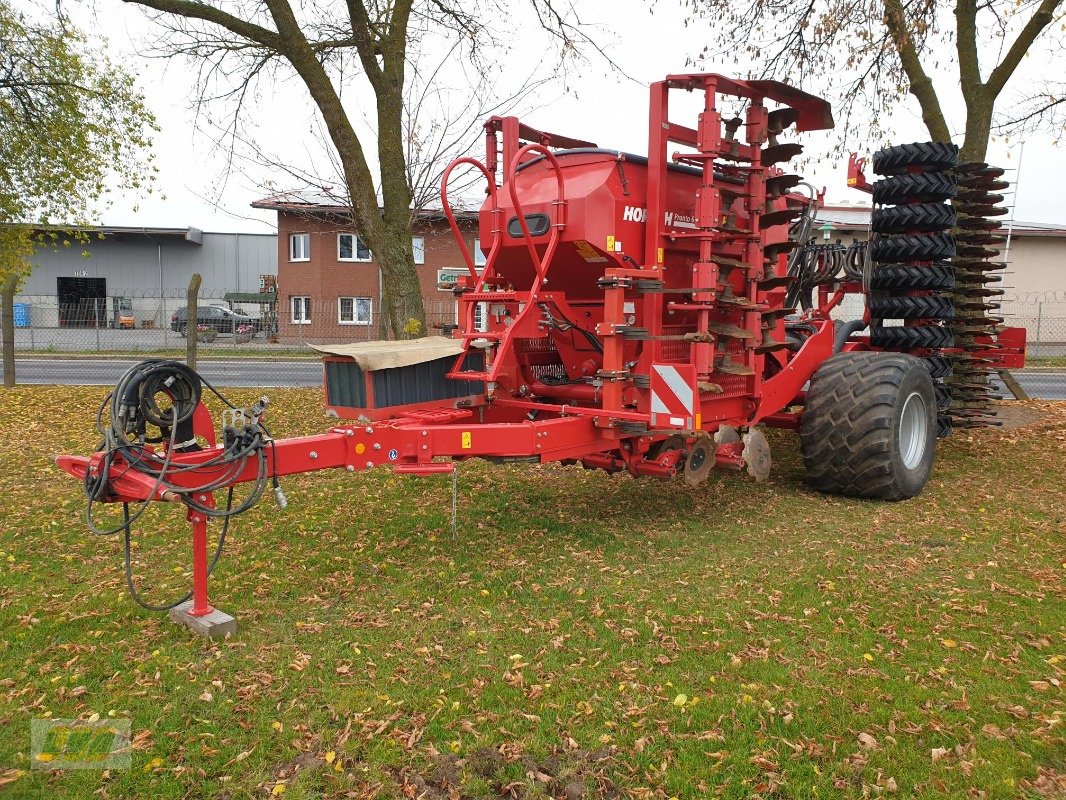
[{"x": 371, "y": 356}]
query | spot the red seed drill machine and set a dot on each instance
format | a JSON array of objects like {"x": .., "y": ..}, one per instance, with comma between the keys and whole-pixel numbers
[{"x": 647, "y": 314}]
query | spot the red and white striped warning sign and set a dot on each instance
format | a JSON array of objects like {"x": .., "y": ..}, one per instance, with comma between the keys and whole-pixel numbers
[{"x": 673, "y": 396}]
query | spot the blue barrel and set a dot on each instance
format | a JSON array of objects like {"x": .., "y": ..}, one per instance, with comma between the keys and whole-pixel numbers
[{"x": 21, "y": 315}]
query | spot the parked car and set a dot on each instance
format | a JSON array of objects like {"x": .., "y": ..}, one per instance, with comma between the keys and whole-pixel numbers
[{"x": 216, "y": 318}]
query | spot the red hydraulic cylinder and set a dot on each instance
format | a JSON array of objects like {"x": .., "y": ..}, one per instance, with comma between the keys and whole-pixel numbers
[{"x": 583, "y": 392}]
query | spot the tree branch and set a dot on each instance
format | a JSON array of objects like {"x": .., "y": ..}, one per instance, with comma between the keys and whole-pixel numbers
[
  {"x": 921, "y": 85},
  {"x": 192, "y": 9},
  {"x": 1043, "y": 17},
  {"x": 1039, "y": 112},
  {"x": 966, "y": 44},
  {"x": 366, "y": 46}
]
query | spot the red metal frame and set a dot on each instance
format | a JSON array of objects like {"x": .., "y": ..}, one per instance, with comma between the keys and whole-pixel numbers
[
  {"x": 631, "y": 267},
  {"x": 856, "y": 174}
]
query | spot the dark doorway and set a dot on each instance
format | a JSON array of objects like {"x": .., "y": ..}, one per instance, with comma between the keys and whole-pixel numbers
[{"x": 82, "y": 302}]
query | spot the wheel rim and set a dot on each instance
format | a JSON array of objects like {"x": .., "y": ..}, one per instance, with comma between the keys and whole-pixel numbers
[{"x": 913, "y": 430}]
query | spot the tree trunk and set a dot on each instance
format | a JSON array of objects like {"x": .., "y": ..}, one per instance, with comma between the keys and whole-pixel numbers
[
  {"x": 407, "y": 313},
  {"x": 8, "y": 321},
  {"x": 980, "y": 105},
  {"x": 403, "y": 296},
  {"x": 979, "y": 109}
]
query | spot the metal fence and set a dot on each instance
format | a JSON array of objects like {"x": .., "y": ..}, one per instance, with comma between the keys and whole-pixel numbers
[
  {"x": 261, "y": 344},
  {"x": 150, "y": 322}
]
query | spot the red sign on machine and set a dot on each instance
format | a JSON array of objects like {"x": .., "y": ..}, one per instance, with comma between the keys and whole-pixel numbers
[{"x": 673, "y": 396}]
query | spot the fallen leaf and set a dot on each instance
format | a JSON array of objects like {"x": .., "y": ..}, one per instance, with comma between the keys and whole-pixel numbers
[{"x": 867, "y": 741}]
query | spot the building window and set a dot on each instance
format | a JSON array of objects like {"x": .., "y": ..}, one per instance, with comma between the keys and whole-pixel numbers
[
  {"x": 351, "y": 248},
  {"x": 301, "y": 310},
  {"x": 355, "y": 310},
  {"x": 480, "y": 316},
  {"x": 418, "y": 246},
  {"x": 300, "y": 247},
  {"x": 479, "y": 256}
]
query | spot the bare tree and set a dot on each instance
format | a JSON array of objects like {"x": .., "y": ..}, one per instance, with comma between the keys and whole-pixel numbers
[
  {"x": 869, "y": 54},
  {"x": 324, "y": 43}
]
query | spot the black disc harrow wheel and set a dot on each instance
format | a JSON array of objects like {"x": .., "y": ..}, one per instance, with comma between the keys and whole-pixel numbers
[
  {"x": 933, "y": 247},
  {"x": 928, "y": 156},
  {"x": 916, "y": 337},
  {"x": 905, "y": 277},
  {"x": 869, "y": 426},
  {"x": 928, "y": 217},
  {"x": 924, "y": 187},
  {"x": 976, "y": 306},
  {"x": 907, "y": 307}
]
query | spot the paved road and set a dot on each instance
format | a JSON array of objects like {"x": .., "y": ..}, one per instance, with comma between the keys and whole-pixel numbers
[
  {"x": 1039, "y": 385},
  {"x": 237, "y": 372},
  {"x": 107, "y": 371}
]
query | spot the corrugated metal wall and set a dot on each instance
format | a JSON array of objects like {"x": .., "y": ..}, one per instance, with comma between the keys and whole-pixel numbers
[{"x": 136, "y": 265}]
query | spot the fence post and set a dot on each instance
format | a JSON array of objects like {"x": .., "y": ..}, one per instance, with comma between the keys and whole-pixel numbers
[
  {"x": 7, "y": 319},
  {"x": 1039, "y": 320},
  {"x": 191, "y": 317}
]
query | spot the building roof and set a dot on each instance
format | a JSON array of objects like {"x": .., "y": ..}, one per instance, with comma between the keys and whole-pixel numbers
[
  {"x": 325, "y": 200},
  {"x": 857, "y": 217},
  {"x": 192, "y": 235}
]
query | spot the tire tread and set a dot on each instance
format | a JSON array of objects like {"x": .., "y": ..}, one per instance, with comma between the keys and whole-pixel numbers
[
  {"x": 929, "y": 217},
  {"x": 846, "y": 433},
  {"x": 922, "y": 155}
]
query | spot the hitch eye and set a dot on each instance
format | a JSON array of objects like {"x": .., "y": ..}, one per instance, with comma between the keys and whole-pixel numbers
[{"x": 538, "y": 224}]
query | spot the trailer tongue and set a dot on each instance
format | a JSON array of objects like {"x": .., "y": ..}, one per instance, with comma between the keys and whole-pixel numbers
[{"x": 633, "y": 313}]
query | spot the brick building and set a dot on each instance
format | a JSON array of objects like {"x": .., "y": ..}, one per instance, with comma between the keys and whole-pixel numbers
[{"x": 329, "y": 285}]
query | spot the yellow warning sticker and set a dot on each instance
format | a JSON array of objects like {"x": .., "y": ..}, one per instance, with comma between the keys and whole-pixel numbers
[
  {"x": 659, "y": 256},
  {"x": 588, "y": 252},
  {"x": 610, "y": 244},
  {"x": 465, "y": 441}
]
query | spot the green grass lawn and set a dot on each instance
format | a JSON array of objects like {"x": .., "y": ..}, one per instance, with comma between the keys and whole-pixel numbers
[
  {"x": 583, "y": 636},
  {"x": 1045, "y": 361}
]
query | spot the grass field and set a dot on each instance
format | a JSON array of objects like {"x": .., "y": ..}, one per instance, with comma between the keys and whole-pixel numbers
[{"x": 583, "y": 635}]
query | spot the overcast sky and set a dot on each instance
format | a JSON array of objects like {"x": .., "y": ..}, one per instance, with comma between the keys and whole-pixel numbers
[{"x": 595, "y": 103}]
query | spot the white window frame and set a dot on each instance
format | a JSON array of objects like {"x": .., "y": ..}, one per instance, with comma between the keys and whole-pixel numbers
[
  {"x": 356, "y": 241},
  {"x": 306, "y": 254},
  {"x": 355, "y": 305},
  {"x": 480, "y": 258},
  {"x": 481, "y": 316},
  {"x": 418, "y": 248},
  {"x": 304, "y": 317}
]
